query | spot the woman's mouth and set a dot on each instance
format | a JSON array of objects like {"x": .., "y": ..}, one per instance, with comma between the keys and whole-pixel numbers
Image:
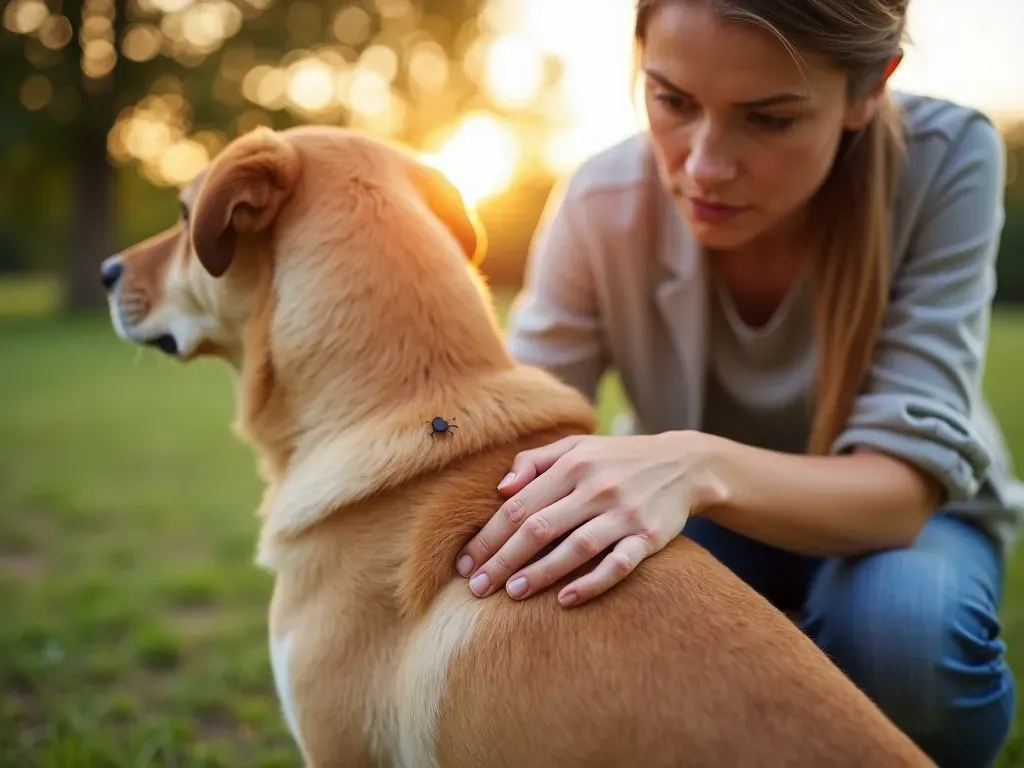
[{"x": 714, "y": 213}]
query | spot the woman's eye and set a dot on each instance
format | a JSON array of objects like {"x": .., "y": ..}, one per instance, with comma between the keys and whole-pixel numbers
[
  {"x": 673, "y": 101},
  {"x": 772, "y": 122}
]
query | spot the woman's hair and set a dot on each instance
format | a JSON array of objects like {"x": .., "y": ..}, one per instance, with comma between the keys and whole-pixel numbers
[{"x": 859, "y": 37}]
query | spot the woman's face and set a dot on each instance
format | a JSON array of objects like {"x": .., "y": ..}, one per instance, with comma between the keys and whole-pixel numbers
[{"x": 743, "y": 135}]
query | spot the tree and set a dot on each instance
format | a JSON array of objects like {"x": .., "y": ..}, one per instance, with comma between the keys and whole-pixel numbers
[
  {"x": 1010, "y": 265},
  {"x": 164, "y": 84}
]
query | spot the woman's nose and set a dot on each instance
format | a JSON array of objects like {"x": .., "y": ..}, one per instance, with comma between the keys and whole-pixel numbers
[{"x": 710, "y": 163}]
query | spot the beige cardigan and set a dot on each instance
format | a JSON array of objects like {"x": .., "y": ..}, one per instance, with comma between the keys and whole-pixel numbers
[{"x": 614, "y": 281}]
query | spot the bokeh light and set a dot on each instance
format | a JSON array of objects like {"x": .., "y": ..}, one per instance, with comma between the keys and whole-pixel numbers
[
  {"x": 386, "y": 67},
  {"x": 183, "y": 160},
  {"x": 381, "y": 59},
  {"x": 170, "y": 6},
  {"x": 98, "y": 58},
  {"x": 147, "y": 138},
  {"x": 36, "y": 92},
  {"x": 310, "y": 85},
  {"x": 272, "y": 91},
  {"x": 56, "y": 32},
  {"x": 141, "y": 42},
  {"x": 25, "y": 16},
  {"x": 428, "y": 68},
  {"x": 352, "y": 25}
]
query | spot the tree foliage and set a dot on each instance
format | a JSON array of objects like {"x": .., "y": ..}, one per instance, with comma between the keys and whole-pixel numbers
[{"x": 87, "y": 85}]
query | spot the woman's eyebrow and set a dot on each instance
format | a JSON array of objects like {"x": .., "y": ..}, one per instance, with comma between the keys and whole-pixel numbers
[{"x": 767, "y": 101}]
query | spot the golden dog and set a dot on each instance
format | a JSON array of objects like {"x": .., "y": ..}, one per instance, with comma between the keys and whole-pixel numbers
[{"x": 335, "y": 273}]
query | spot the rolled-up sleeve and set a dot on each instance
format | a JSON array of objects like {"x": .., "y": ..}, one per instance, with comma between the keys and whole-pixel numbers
[
  {"x": 926, "y": 375},
  {"x": 554, "y": 322}
]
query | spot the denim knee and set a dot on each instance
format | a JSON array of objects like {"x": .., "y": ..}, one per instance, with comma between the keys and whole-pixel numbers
[{"x": 921, "y": 637}]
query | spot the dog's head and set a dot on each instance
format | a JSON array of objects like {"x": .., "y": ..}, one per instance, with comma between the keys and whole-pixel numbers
[{"x": 304, "y": 194}]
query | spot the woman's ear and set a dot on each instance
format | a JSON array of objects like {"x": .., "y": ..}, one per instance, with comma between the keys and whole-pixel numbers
[
  {"x": 862, "y": 109},
  {"x": 891, "y": 66},
  {"x": 245, "y": 189}
]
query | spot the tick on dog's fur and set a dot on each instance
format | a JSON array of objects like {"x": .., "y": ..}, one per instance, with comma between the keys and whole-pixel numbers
[{"x": 442, "y": 426}]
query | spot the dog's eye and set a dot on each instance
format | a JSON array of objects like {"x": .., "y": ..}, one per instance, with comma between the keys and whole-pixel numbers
[{"x": 184, "y": 212}]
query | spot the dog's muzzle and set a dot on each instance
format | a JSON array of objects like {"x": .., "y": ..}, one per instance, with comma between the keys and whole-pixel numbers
[
  {"x": 165, "y": 343},
  {"x": 111, "y": 271}
]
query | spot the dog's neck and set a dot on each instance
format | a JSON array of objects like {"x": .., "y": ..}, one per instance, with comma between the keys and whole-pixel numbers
[{"x": 334, "y": 468}]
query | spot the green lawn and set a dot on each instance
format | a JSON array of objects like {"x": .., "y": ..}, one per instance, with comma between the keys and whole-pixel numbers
[{"x": 133, "y": 627}]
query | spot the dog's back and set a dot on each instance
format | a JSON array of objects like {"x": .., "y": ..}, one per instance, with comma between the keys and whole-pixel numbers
[{"x": 680, "y": 664}]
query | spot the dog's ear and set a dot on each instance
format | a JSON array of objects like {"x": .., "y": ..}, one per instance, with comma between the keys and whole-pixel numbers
[
  {"x": 244, "y": 191},
  {"x": 445, "y": 200}
]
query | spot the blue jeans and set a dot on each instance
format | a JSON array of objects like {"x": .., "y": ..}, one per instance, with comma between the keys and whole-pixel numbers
[{"x": 916, "y": 629}]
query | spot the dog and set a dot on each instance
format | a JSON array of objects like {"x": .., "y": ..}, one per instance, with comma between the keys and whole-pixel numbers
[{"x": 338, "y": 276}]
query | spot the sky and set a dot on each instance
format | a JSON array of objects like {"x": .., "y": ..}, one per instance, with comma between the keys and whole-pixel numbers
[{"x": 966, "y": 50}]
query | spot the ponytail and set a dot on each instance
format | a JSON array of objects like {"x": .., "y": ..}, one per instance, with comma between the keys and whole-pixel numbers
[{"x": 852, "y": 275}]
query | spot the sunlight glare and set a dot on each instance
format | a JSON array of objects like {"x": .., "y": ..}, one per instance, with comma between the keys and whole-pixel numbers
[
  {"x": 593, "y": 105},
  {"x": 480, "y": 157},
  {"x": 513, "y": 70}
]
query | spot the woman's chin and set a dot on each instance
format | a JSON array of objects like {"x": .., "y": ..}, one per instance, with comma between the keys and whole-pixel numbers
[{"x": 719, "y": 236}]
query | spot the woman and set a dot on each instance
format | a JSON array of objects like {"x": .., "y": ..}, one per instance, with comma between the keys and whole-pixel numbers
[{"x": 791, "y": 272}]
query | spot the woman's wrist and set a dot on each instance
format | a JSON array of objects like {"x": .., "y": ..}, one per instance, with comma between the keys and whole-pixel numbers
[{"x": 708, "y": 467}]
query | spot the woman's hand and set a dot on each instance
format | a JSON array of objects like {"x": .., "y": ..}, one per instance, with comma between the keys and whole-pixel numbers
[{"x": 635, "y": 493}]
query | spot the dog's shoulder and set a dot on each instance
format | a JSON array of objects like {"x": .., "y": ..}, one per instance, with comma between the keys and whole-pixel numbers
[{"x": 449, "y": 508}]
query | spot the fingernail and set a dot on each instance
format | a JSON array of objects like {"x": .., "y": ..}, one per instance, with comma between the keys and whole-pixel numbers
[
  {"x": 464, "y": 565},
  {"x": 517, "y": 587},
  {"x": 568, "y": 598},
  {"x": 479, "y": 584},
  {"x": 507, "y": 479}
]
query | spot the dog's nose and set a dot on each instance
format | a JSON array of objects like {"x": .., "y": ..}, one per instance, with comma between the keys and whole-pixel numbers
[{"x": 110, "y": 271}]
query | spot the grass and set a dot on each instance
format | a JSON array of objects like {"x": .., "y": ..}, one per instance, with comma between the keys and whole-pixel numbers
[
  {"x": 133, "y": 630},
  {"x": 29, "y": 296}
]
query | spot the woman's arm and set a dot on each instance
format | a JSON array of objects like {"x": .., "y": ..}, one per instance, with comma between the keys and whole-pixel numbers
[
  {"x": 909, "y": 443},
  {"x": 825, "y": 506}
]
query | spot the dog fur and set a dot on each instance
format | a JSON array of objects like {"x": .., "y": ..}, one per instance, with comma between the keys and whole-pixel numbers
[{"x": 336, "y": 274}]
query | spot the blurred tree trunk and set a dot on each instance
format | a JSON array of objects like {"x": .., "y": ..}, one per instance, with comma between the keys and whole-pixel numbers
[
  {"x": 91, "y": 238},
  {"x": 92, "y": 223}
]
